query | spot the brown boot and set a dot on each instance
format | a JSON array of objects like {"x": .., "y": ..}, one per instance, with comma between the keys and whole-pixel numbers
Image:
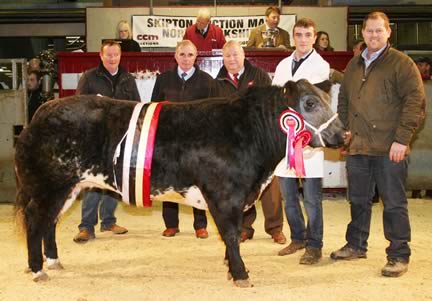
[
  {"x": 293, "y": 247},
  {"x": 116, "y": 229},
  {"x": 245, "y": 236},
  {"x": 311, "y": 256},
  {"x": 84, "y": 236},
  {"x": 279, "y": 238}
]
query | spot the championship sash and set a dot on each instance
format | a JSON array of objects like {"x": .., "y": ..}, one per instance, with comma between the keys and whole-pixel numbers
[{"x": 134, "y": 153}]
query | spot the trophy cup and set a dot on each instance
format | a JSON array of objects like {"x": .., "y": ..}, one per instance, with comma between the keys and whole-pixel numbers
[{"x": 269, "y": 37}]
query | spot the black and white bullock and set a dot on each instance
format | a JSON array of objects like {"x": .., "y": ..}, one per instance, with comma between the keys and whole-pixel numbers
[{"x": 221, "y": 150}]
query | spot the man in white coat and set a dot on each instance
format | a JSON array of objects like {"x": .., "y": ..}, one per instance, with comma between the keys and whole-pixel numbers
[{"x": 303, "y": 63}]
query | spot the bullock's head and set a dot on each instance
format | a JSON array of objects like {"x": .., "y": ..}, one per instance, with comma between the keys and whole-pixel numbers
[{"x": 314, "y": 105}]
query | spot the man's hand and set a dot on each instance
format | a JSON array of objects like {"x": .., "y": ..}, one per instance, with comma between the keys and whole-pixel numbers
[
  {"x": 347, "y": 138},
  {"x": 397, "y": 152}
]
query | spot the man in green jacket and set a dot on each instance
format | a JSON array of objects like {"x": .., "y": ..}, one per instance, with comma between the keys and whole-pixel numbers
[{"x": 381, "y": 102}]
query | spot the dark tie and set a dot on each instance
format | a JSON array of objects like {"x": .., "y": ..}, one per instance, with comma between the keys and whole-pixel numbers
[
  {"x": 235, "y": 79},
  {"x": 183, "y": 75},
  {"x": 296, "y": 65}
]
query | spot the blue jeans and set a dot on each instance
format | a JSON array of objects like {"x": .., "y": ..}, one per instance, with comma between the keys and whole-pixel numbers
[
  {"x": 364, "y": 172},
  {"x": 312, "y": 234},
  {"x": 90, "y": 206}
]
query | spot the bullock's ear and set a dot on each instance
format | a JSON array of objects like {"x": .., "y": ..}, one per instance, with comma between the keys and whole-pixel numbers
[
  {"x": 290, "y": 89},
  {"x": 325, "y": 86}
]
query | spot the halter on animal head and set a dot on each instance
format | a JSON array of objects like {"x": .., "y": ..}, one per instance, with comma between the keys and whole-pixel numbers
[{"x": 290, "y": 90}]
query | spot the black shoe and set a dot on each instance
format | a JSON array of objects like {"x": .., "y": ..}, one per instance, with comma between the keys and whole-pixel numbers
[
  {"x": 347, "y": 253},
  {"x": 395, "y": 268},
  {"x": 311, "y": 256}
]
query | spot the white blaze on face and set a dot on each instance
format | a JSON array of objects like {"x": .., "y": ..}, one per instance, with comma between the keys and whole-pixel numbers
[{"x": 192, "y": 197}]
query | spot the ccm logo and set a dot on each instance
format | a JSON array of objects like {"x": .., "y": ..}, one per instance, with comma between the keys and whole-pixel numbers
[{"x": 147, "y": 37}]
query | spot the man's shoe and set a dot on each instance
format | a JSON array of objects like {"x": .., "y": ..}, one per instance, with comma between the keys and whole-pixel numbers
[
  {"x": 245, "y": 236},
  {"x": 394, "y": 268},
  {"x": 83, "y": 236},
  {"x": 170, "y": 232},
  {"x": 114, "y": 228},
  {"x": 293, "y": 247},
  {"x": 279, "y": 238},
  {"x": 347, "y": 253},
  {"x": 201, "y": 233},
  {"x": 311, "y": 256}
]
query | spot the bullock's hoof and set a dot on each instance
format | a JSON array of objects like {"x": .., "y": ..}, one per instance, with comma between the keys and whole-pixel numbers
[
  {"x": 243, "y": 283},
  {"x": 54, "y": 264},
  {"x": 40, "y": 276},
  {"x": 229, "y": 275}
]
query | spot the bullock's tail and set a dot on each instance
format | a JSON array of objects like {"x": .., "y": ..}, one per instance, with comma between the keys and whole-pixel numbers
[{"x": 21, "y": 202}]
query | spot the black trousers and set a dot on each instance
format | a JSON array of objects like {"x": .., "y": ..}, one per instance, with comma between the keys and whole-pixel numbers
[
  {"x": 364, "y": 173},
  {"x": 170, "y": 214}
]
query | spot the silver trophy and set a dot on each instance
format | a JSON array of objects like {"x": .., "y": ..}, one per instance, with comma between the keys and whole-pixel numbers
[{"x": 269, "y": 37}]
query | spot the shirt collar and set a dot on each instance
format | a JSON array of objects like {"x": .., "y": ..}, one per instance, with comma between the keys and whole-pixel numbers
[
  {"x": 231, "y": 75},
  {"x": 373, "y": 57},
  {"x": 189, "y": 73},
  {"x": 204, "y": 31},
  {"x": 304, "y": 56}
]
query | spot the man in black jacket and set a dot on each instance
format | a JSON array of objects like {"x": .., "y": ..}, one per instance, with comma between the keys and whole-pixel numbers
[
  {"x": 108, "y": 79},
  {"x": 186, "y": 82},
  {"x": 34, "y": 94},
  {"x": 235, "y": 76}
]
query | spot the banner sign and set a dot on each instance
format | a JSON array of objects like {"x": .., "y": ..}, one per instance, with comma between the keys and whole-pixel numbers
[{"x": 166, "y": 31}]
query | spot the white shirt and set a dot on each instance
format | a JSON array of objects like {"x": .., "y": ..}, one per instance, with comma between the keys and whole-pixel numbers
[
  {"x": 189, "y": 73},
  {"x": 315, "y": 69}
]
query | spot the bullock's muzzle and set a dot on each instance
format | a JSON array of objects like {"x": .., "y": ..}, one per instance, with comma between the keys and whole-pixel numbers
[{"x": 322, "y": 127}]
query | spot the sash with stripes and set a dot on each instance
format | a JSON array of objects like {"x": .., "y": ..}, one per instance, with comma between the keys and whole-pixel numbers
[{"x": 134, "y": 153}]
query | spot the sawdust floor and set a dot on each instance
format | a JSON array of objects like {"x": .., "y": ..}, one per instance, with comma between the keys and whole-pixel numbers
[{"x": 143, "y": 265}]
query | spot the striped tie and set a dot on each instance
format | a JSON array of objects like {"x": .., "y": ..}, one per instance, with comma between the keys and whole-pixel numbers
[
  {"x": 183, "y": 75},
  {"x": 235, "y": 79}
]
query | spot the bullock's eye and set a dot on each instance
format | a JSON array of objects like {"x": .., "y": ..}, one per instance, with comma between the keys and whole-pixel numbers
[{"x": 310, "y": 104}]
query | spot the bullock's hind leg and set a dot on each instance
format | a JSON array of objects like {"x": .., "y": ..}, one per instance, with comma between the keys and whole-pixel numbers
[
  {"x": 35, "y": 228},
  {"x": 50, "y": 248},
  {"x": 228, "y": 221}
]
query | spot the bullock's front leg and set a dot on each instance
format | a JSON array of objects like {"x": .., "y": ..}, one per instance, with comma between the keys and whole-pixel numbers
[
  {"x": 50, "y": 249},
  {"x": 228, "y": 221},
  {"x": 34, "y": 232}
]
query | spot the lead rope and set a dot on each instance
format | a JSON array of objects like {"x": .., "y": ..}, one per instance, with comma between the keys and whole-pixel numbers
[{"x": 322, "y": 127}]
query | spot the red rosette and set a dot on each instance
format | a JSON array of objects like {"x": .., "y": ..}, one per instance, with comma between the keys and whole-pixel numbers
[
  {"x": 303, "y": 135},
  {"x": 287, "y": 115}
]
